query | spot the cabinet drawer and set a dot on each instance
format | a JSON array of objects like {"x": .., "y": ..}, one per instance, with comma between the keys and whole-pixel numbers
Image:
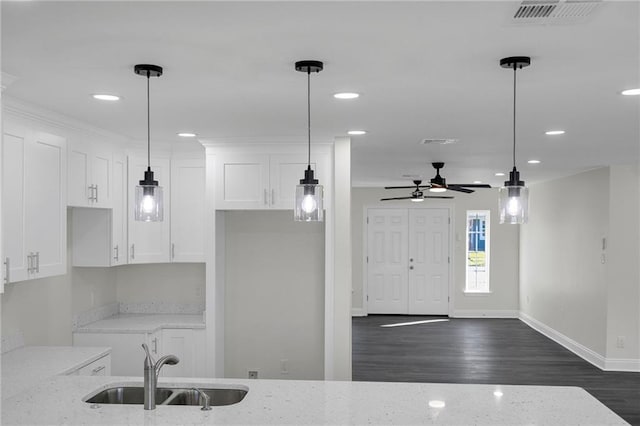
[{"x": 99, "y": 367}]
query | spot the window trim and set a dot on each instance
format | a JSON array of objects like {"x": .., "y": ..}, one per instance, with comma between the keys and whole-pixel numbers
[{"x": 487, "y": 242}]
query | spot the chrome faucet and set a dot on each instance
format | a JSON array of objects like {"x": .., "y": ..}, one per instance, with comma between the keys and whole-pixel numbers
[{"x": 151, "y": 373}]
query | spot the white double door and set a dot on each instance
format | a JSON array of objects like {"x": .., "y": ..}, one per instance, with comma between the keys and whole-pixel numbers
[{"x": 408, "y": 261}]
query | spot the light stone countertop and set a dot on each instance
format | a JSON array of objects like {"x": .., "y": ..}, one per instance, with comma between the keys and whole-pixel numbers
[
  {"x": 58, "y": 400},
  {"x": 142, "y": 323},
  {"x": 28, "y": 366}
]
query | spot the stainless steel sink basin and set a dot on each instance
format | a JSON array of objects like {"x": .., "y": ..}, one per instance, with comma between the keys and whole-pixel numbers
[
  {"x": 168, "y": 396},
  {"x": 127, "y": 395},
  {"x": 217, "y": 397}
]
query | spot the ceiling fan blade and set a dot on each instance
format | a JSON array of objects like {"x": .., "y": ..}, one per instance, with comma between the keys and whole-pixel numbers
[
  {"x": 396, "y": 198},
  {"x": 399, "y": 187},
  {"x": 438, "y": 196},
  {"x": 471, "y": 185},
  {"x": 459, "y": 189}
]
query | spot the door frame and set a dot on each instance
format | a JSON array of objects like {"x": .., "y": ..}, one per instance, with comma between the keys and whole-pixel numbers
[{"x": 433, "y": 205}]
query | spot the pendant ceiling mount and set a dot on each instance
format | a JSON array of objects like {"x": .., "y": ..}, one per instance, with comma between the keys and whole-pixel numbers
[
  {"x": 518, "y": 62},
  {"x": 147, "y": 70},
  {"x": 309, "y": 66}
]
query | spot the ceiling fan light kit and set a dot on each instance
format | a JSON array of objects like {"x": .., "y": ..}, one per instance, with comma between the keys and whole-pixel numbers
[
  {"x": 148, "y": 194},
  {"x": 308, "y": 204},
  {"x": 513, "y": 198}
]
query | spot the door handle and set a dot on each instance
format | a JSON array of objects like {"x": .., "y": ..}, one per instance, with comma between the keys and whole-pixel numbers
[
  {"x": 30, "y": 263},
  {"x": 133, "y": 251},
  {"x": 411, "y": 267},
  {"x": 7, "y": 266},
  {"x": 173, "y": 251},
  {"x": 273, "y": 197},
  {"x": 155, "y": 345},
  {"x": 116, "y": 253},
  {"x": 92, "y": 194},
  {"x": 411, "y": 260},
  {"x": 266, "y": 197},
  {"x": 38, "y": 262},
  {"x": 96, "y": 199}
]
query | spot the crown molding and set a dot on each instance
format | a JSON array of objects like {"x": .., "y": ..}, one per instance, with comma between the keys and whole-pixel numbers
[{"x": 24, "y": 110}]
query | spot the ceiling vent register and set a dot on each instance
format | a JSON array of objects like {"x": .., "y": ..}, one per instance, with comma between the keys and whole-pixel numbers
[{"x": 554, "y": 12}]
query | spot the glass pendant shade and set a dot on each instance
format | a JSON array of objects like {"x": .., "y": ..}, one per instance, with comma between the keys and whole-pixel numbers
[
  {"x": 309, "y": 203},
  {"x": 149, "y": 203},
  {"x": 513, "y": 203}
]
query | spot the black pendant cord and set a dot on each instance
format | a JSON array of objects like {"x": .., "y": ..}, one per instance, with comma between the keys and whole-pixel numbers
[
  {"x": 309, "y": 117},
  {"x": 148, "y": 125},
  {"x": 514, "y": 115}
]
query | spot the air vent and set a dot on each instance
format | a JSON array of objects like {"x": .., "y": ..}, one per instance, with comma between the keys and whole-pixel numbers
[
  {"x": 444, "y": 141},
  {"x": 554, "y": 12}
]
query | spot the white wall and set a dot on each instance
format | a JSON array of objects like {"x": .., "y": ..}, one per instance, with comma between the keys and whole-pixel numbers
[
  {"x": 503, "y": 299},
  {"x": 274, "y": 295},
  {"x": 162, "y": 282},
  {"x": 622, "y": 254},
  {"x": 562, "y": 277}
]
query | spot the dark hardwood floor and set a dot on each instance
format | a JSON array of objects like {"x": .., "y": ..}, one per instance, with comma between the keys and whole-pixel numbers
[{"x": 488, "y": 351}]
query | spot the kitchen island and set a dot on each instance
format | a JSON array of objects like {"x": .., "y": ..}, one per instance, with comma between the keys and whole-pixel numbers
[{"x": 59, "y": 400}]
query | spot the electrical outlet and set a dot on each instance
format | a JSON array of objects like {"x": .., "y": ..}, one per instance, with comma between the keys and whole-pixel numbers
[
  {"x": 253, "y": 374},
  {"x": 284, "y": 366},
  {"x": 620, "y": 342}
]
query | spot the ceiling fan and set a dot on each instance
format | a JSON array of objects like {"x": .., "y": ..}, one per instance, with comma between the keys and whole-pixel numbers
[
  {"x": 439, "y": 184},
  {"x": 416, "y": 196}
]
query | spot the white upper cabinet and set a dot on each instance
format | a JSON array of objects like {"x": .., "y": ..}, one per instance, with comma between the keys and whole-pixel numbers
[
  {"x": 187, "y": 210},
  {"x": 34, "y": 210},
  {"x": 149, "y": 242},
  {"x": 242, "y": 181},
  {"x": 247, "y": 181},
  {"x": 90, "y": 174},
  {"x": 119, "y": 245}
]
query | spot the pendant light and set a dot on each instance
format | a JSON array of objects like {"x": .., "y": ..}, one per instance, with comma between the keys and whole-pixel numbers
[
  {"x": 308, "y": 206},
  {"x": 514, "y": 196},
  {"x": 148, "y": 204}
]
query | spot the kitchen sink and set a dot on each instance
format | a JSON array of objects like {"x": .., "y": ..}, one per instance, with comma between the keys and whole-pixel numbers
[
  {"x": 168, "y": 396},
  {"x": 217, "y": 397},
  {"x": 126, "y": 395}
]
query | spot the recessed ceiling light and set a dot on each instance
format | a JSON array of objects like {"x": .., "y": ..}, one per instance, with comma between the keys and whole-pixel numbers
[
  {"x": 498, "y": 393},
  {"x": 436, "y": 404},
  {"x": 533, "y": 161},
  {"x": 477, "y": 181},
  {"x": 499, "y": 174},
  {"x": 346, "y": 95},
  {"x": 106, "y": 97},
  {"x": 554, "y": 132},
  {"x": 187, "y": 135},
  {"x": 631, "y": 92},
  {"x": 357, "y": 132}
]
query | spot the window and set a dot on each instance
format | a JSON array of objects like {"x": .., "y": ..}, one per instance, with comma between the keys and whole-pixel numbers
[{"x": 477, "y": 251}]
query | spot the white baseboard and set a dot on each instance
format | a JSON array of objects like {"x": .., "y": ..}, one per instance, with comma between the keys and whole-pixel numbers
[
  {"x": 575, "y": 347},
  {"x": 358, "y": 312},
  {"x": 479, "y": 313},
  {"x": 620, "y": 364}
]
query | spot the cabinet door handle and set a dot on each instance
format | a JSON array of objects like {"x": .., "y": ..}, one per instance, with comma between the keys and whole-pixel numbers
[
  {"x": 155, "y": 345},
  {"x": 133, "y": 251},
  {"x": 96, "y": 197},
  {"x": 266, "y": 197},
  {"x": 38, "y": 262},
  {"x": 30, "y": 263},
  {"x": 116, "y": 253},
  {"x": 7, "y": 267},
  {"x": 97, "y": 370},
  {"x": 173, "y": 251},
  {"x": 92, "y": 194},
  {"x": 273, "y": 197}
]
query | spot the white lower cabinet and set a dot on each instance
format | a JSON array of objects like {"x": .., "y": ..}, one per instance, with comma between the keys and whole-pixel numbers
[{"x": 127, "y": 355}]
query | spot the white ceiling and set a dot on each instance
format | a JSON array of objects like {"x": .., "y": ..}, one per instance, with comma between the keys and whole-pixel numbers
[{"x": 424, "y": 70}]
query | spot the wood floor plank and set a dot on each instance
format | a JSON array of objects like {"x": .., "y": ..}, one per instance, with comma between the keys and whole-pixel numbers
[{"x": 486, "y": 351}]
